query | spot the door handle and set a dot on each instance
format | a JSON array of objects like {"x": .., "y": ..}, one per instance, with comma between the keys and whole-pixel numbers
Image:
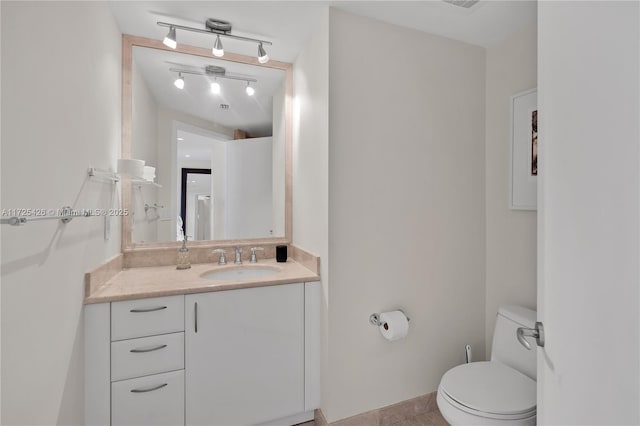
[
  {"x": 195, "y": 317},
  {"x": 537, "y": 333}
]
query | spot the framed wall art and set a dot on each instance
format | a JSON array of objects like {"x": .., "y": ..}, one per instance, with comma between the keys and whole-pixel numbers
[{"x": 524, "y": 151}]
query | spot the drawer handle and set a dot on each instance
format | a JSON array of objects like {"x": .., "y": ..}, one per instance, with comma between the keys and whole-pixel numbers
[
  {"x": 159, "y": 308},
  {"x": 155, "y": 348},
  {"x": 149, "y": 389}
]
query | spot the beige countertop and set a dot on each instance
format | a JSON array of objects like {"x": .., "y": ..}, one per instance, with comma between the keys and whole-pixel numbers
[{"x": 154, "y": 281}]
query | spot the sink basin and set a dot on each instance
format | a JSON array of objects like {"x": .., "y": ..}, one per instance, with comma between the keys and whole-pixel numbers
[{"x": 241, "y": 273}]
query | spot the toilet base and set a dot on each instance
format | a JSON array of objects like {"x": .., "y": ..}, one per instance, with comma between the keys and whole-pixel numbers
[{"x": 454, "y": 416}]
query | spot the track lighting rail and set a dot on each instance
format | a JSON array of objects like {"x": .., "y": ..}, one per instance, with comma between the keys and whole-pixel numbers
[
  {"x": 214, "y": 32},
  {"x": 227, "y": 76}
]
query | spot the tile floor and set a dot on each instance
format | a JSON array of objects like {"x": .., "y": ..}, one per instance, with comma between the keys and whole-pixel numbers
[{"x": 433, "y": 418}]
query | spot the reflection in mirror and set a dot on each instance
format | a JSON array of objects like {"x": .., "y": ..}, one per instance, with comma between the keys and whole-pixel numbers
[
  {"x": 225, "y": 117},
  {"x": 195, "y": 205}
]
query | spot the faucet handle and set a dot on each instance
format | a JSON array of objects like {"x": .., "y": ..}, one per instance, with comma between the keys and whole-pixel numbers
[
  {"x": 223, "y": 258},
  {"x": 254, "y": 258}
]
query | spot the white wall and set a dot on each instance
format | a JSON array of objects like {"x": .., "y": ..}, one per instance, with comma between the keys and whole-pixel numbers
[
  {"x": 406, "y": 209},
  {"x": 249, "y": 193},
  {"x": 311, "y": 162},
  {"x": 219, "y": 185},
  {"x": 0, "y": 226},
  {"x": 511, "y": 234},
  {"x": 60, "y": 114},
  {"x": 589, "y": 213}
]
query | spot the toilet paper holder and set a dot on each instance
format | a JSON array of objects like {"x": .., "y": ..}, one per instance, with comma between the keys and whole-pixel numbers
[{"x": 374, "y": 319}]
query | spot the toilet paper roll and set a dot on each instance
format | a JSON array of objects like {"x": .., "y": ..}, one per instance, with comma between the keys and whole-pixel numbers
[
  {"x": 394, "y": 325},
  {"x": 131, "y": 167}
]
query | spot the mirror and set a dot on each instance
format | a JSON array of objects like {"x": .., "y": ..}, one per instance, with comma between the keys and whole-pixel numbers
[{"x": 219, "y": 140}]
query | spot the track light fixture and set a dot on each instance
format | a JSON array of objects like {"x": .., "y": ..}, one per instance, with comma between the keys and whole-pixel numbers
[
  {"x": 217, "y": 49},
  {"x": 263, "y": 58},
  {"x": 215, "y": 87},
  {"x": 250, "y": 90},
  {"x": 170, "y": 38},
  {"x": 219, "y": 29},
  {"x": 179, "y": 83},
  {"x": 214, "y": 72}
]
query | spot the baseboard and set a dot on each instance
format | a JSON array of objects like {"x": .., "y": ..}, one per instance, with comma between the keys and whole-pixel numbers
[
  {"x": 291, "y": 420},
  {"x": 399, "y": 413}
]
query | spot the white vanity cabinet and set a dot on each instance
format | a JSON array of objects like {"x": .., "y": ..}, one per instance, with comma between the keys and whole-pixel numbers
[
  {"x": 235, "y": 357},
  {"x": 244, "y": 355}
]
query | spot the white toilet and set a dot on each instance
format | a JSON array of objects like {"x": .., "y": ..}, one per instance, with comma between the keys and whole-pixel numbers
[{"x": 498, "y": 392}]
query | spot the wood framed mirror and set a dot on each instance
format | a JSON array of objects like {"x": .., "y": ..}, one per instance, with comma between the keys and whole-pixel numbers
[{"x": 245, "y": 140}]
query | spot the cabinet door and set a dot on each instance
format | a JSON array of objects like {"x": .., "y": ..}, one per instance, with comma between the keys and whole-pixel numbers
[{"x": 244, "y": 362}]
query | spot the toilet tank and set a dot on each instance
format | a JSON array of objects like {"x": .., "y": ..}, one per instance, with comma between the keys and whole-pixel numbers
[{"x": 506, "y": 348}]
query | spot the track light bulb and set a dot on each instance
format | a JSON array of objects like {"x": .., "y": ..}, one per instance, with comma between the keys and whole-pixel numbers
[
  {"x": 250, "y": 90},
  {"x": 170, "y": 38},
  {"x": 263, "y": 58},
  {"x": 215, "y": 88},
  {"x": 217, "y": 50},
  {"x": 179, "y": 83}
]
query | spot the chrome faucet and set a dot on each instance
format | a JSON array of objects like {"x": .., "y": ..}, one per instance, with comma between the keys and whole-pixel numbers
[
  {"x": 254, "y": 258},
  {"x": 222, "y": 260},
  {"x": 238, "y": 260}
]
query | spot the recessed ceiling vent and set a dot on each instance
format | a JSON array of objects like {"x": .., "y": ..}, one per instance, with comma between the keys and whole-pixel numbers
[
  {"x": 467, "y": 4},
  {"x": 224, "y": 106}
]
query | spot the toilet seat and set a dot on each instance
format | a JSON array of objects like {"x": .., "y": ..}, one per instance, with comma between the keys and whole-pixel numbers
[{"x": 490, "y": 390}]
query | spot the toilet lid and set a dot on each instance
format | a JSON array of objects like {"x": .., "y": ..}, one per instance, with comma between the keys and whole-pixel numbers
[{"x": 490, "y": 387}]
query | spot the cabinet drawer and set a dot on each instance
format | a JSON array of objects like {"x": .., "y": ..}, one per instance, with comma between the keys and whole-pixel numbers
[
  {"x": 151, "y": 400},
  {"x": 147, "y": 355},
  {"x": 146, "y": 317}
]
